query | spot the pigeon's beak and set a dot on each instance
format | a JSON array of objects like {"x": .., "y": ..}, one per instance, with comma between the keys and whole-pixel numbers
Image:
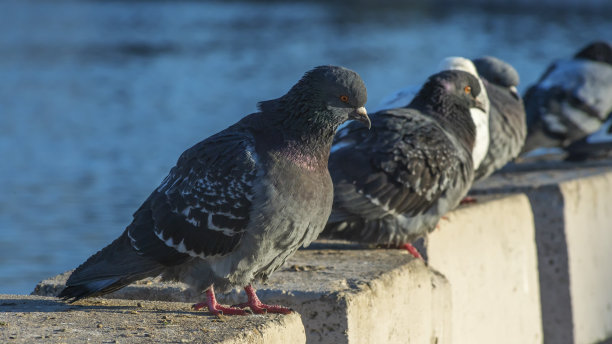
[
  {"x": 479, "y": 105},
  {"x": 360, "y": 114}
]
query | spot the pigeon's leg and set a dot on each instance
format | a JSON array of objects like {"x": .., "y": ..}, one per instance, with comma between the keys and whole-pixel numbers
[
  {"x": 468, "y": 200},
  {"x": 412, "y": 250},
  {"x": 260, "y": 308},
  {"x": 214, "y": 307}
]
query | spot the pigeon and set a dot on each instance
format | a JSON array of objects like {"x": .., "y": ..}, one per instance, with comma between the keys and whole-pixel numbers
[
  {"x": 507, "y": 124},
  {"x": 240, "y": 202},
  {"x": 480, "y": 117},
  {"x": 393, "y": 184},
  {"x": 571, "y": 100}
]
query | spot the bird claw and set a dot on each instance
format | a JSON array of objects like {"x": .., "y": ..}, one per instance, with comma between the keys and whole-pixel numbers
[
  {"x": 412, "y": 250},
  {"x": 260, "y": 308},
  {"x": 227, "y": 311},
  {"x": 221, "y": 310}
]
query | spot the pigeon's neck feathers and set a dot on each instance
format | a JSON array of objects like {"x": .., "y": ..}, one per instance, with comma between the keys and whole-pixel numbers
[
  {"x": 452, "y": 113},
  {"x": 306, "y": 135}
]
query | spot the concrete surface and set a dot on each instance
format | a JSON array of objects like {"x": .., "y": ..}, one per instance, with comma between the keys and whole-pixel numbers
[
  {"x": 588, "y": 229},
  {"x": 531, "y": 262},
  {"x": 488, "y": 254},
  {"x": 572, "y": 209},
  {"x": 36, "y": 319},
  {"x": 351, "y": 295}
]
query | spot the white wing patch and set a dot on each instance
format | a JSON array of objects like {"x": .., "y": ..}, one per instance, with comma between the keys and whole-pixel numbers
[
  {"x": 180, "y": 247},
  {"x": 212, "y": 226}
]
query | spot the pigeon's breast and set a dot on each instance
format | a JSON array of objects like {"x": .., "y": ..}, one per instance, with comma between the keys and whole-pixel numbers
[{"x": 292, "y": 205}]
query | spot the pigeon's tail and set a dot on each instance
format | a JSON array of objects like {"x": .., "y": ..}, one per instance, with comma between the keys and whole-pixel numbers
[{"x": 112, "y": 268}]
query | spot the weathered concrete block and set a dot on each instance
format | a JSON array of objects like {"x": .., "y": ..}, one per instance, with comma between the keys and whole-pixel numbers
[
  {"x": 356, "y": 296},
  {"x": 488, "y": 254},
  {"x": 33, "y": 319},
  {"x": 572, "y": 210},
  {"x": 588, "y": 231}
]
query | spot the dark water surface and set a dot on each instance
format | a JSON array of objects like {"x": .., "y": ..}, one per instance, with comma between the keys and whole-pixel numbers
[{"x": 98, "y": 99}]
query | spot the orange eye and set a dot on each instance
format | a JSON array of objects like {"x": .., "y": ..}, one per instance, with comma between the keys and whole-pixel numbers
[
  {"x": 467, "y": 89},
  {"x": 344, "y": 99}
]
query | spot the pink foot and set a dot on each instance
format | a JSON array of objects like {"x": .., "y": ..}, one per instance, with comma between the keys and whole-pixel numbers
[
  {"x": 214, "y": 307},
  {"x": 412, "y": 250},
  {"x": 260, "y": 308},
  {"x": 468, "y": 200}
]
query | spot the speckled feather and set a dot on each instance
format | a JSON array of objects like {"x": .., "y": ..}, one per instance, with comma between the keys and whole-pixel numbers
[{"x": 394, "y": 183}]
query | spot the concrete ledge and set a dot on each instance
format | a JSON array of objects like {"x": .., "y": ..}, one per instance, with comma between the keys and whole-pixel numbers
[
  {"x": 531, "y": 262},
  {"x": 36, "y": 319},
  {"x": 572, "y": 210},
  {"x": 488, "y": 253},
  {"x": 351, "y": 295},
  {"x": 588, "y": 231}
]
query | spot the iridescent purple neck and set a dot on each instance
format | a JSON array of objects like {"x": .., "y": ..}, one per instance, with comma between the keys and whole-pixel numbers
[{"x": 310, "y": 160}]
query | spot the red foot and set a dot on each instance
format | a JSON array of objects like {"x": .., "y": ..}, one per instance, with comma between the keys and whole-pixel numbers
[
  {"x": 468, "y": 200},
  {"x": 412, "y": 250},
  {"x": 260, "y": 308},
  {"x": 214, "y": 307}
]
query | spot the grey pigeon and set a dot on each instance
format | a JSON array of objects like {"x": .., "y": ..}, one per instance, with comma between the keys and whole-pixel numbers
[
  {"x": 393, "y": 183},
  {"x": 239, "y": 203},
  {"x": 480, "y": 117},
  {"x": 507, "y": 124},
  {"x": 571, "y": 100}
]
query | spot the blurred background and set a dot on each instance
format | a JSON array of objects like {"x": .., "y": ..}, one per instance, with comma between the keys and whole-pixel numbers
[{"x": 99, "y": 98}]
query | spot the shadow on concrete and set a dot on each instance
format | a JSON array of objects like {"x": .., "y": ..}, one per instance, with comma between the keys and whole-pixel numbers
[
  {"x": 548, "y": 210},
  {"x": 50, "y": 306}
]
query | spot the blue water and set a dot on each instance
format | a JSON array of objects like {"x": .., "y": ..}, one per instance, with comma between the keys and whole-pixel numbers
[{"x": 98, "y": 99}]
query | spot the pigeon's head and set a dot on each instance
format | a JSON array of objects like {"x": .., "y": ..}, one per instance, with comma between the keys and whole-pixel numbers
[
  {"x": 497, "y": 71},
  {"x": 458, "y": 63},
  {"x": 451, "y": 88},
  {"x": 466, "y": 65},
  {"x": 330, "y": 94},
  {"x": 598, "y": 51}
]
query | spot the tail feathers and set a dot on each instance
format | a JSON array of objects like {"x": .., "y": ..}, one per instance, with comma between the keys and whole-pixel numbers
[
  {"x": 111, "y": 269},
  {"x": 96, "y": 288}
]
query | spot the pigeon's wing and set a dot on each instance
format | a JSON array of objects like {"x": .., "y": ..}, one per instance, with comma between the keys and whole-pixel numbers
[
  {"x": 202, "y": 207},
  {"x": 586, "y": 86},
  {"x": 569, "y": 103},
  {"x": 402, "y": 167}
]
